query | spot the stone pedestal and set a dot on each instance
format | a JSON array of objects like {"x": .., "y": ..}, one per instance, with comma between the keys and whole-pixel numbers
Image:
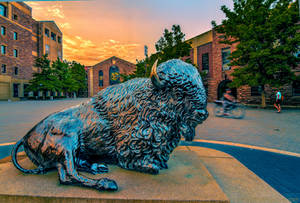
[
  {"x": 187, "y": 179},
  {"x": 195, "y": 174}
]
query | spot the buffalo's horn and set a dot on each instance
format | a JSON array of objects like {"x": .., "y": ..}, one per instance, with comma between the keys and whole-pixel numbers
[{"x": 154, "y": 77}]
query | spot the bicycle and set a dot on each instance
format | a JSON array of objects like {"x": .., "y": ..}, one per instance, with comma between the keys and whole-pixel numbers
[{"x": 234, "y": 110}]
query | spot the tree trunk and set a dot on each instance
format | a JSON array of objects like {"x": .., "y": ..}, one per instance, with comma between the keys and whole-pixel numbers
[{"x": 263, "y": 99}]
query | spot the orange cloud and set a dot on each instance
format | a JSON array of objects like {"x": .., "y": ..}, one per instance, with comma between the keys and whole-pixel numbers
[
  {"x": 88, "y": 52},
  {"x": 65, "y": 25},
  {"x": 56, "y": 11},
  {"x": 42, "y": 10},
  {"x": 94, "y": 30},
  {"x": 113, "y": 41},
  {"x": 85, "y": 50}
]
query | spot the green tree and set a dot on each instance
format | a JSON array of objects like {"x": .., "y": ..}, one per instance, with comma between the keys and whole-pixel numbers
[
  {"x": 143, "y": 68},
  {"x": 80, "y": 76},
  {"x": 266, "y": 35},
  {"x": 63, "y": 72},
  {"x": 171, "y": 45},
  {"x": 62, "y": 76},
  {"x": 72, "y": 76},
  {"x": 45, "y": 79},
  {"x": 139, "y": 72}
]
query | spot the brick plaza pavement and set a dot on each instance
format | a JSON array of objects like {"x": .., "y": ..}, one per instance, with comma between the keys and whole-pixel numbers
[{"x": 260, "y": 127}]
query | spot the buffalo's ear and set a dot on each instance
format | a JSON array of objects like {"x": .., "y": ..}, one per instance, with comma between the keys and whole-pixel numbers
[{"x": 154, "y": 77}]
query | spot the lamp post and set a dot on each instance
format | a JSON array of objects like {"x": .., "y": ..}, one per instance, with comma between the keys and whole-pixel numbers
[
  {"x": 146, "y": 55},
  {"x": 146, "y": 51}
]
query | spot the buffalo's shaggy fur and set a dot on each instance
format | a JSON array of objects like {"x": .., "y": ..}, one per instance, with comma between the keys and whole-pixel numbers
[{"x": 136, "y": 124}]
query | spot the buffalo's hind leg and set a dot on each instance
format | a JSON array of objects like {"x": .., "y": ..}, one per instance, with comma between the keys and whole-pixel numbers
[
  {"x": 144, "y": 165},
  {"x": 69, "y": 176}
]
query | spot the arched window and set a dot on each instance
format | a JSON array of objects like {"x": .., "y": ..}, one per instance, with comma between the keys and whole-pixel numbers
[
  {"x": 114, "y": 75},
  {"x": 100, "y": 78}
]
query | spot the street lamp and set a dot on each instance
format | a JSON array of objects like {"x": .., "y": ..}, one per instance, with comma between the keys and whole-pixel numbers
[{"x": 146, "y": 55}]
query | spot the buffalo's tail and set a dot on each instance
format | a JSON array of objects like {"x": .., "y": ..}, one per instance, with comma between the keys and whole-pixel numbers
[{"x": 14, "y": 152}]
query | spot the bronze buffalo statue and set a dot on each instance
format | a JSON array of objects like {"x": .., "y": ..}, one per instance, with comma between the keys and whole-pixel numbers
[{"x": 136, "y": 125}]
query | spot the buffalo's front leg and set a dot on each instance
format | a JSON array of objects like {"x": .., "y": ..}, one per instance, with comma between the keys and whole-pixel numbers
[
  {"x": 69, "y": 176},
  {"x": 93, "y": 168},
  {"x": 161, "y": 164}
]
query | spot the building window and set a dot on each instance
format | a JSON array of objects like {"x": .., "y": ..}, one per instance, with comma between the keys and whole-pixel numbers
[
  {"x": 16, "y": 53},
  {"x": 47, "y": 49},
  {"x": 3, "y": 10},
  {"x": 114, "y": 75},
  {"x": 16, "y": 71},
  {"x": 3, "y": 30},
  {"x": 59, "y": 54},
  {"x": 15, "y": 36},
  {"x": 225, "y": 60},
  {"x": 15, "y": 17},
  {"x": 59, "y": 39},
  {"x": 47, "y": 32},
  {"x": 100, "y": 78},
  {"x": 205, "y": 62},
  {"x": 296, "y": 88},
  {"x": 53, "y": 36},
  {"x": 26, "y": 92},
  {"x": 257, "y": 90},
  {"x": 3, "y": 49},
  {"x": 16, "y": 90},
  {"x": 3, "y": 68}
]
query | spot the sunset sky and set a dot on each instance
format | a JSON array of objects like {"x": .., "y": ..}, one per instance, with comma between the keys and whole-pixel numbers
[{"x": 94, "y": 30}]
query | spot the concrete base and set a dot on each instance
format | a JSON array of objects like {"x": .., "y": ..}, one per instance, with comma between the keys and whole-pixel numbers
[
  {"x": 187, "y": 179},
  {"x": 237, "y": 181}
]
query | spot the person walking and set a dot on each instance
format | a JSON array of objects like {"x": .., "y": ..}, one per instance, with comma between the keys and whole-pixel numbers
[{"x": 278, "y": 101}]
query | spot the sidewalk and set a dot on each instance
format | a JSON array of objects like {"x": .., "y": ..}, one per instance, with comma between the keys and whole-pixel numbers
[{"x": 271, "y": 106}]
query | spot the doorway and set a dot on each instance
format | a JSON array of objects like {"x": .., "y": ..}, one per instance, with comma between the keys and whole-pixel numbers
[{"x": 16, "y": 90}]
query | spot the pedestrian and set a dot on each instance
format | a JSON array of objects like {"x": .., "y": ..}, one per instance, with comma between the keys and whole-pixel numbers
[{"x": 278, "y": 100}]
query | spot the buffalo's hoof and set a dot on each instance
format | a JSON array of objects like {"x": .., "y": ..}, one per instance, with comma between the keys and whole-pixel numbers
[
  {"x": 153, "y": 169},
  {"x": 164, "y": 165},
  {"x": 107, "y": 185}
]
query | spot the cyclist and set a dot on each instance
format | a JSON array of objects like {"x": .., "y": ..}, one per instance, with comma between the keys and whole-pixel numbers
[{"x": 228, "y": 100}]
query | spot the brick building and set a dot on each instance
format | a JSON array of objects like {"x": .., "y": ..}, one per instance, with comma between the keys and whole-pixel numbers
[
  {"x": 22, "y": 39},
  {"x": 210, "y": 56},
  {"x": 49, "y": 40},
  {"x": 107, "y": 73}
]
